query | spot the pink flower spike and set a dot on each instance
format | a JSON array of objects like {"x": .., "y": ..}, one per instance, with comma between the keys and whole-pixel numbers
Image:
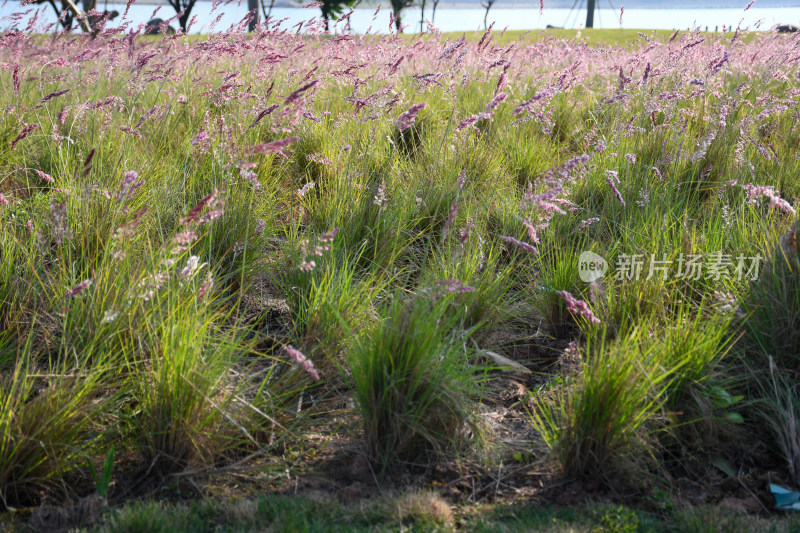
[
  {"x": 199, "y": 138},
  {"x": 755, "y": 192},
  {"x": 294, "y": 354},
  {"x": 520, "y": 244},
  {"x": 271, "y": 147},
  {"x": 296, "y": 94},
  {"x": 328, "y": 237},
  {"x": 407, "y": 119},
  {"x": 618, "y": 194},
  {"x": 129, "y": 185},
  {"x": 46, "y": 177},
  {"x": 585, "y": 223},
  {"x": 776, "y": 202},
  {"x": 380, "y": 195},
  {"x": 492, "y": 105},
  {"x": 22, "y": 134},
  {"x": 77, "y": 289},
  {"x": 453, "y": 286},
  {"x": 578, "y": 307},
  {"x": 299, "y": 358},
  {"x": 450, "y": 218},
  {"x": 54, "y": 95}
]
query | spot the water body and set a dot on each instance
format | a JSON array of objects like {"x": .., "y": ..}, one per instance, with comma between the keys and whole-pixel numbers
[{"x": 468, "y": 16}]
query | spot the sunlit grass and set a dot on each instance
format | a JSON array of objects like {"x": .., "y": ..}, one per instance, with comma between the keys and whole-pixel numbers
[{"x": 205, "y": 239}]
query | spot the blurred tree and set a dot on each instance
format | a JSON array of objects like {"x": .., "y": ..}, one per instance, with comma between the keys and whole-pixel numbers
[
  {"x": 252, "y": 9},
  {"x": 267, "y": 12},
  {"x": 487, "y": 5},
  {"x": 433, "y": 14},
  {"x": 397, "y": 7},
  {"x": 184, "y": 9},
  {"x": 332, "y": 9},
  {"x": 70, "y": 12}
]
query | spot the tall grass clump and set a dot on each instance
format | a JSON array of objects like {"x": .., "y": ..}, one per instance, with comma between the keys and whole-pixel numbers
[
  {"x": 701, "y": 399},
  {"x": 204, "y": 396},
  {"x": 600, "y": 419},
  {"x": 772, "y": 306},
  {"x": 326, "y": 296},
  {"x": 413, "y": 384},
  {"x": 771, "y": 354},
  {"x": 51, "y": 418},
  {"x": 779, "y": 409},
  {"x": 182, "y": 394},
  {"x": 470, "y": 267},
  {"x": 200, "y": 394},
  {"x": 12, "y": 301},
  {"x": 692, "y": 348},
  {"x": 558, "y": 272}
]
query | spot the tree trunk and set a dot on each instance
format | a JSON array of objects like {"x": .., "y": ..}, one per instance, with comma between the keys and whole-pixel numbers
[
  {"x": 74, "y": 10},
  {"x": 252, "y": 7},
  {"x": 326, "y": 17},
  {"x": 267, "y": 14},
  {"x": 590, "y": 14},
  {"x": 183, "y": 20}
]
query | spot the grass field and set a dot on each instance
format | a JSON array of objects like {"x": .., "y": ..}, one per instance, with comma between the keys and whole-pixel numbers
[
  {"x": 496, "y": 283},
  {"x": 594, "y": 37}
]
